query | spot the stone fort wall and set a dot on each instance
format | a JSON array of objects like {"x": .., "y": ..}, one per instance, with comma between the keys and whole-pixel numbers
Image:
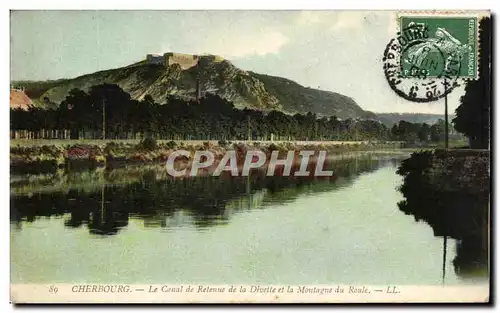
[
  {"x": 186, "y": 61},
  {"x": 154, "y": 59}
]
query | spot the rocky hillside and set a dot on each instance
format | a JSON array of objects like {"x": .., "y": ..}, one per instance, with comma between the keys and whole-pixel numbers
[{"x": 245, "y": 89}]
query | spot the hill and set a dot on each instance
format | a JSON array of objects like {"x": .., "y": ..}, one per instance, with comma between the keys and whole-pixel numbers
[
  {"x": 390, "y": 119},
  {"x": 221, "y": 77},
  {"x": 297, "y": 98}
]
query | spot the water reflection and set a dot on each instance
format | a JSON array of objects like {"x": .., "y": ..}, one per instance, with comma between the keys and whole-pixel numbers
[
  {"x": 105, "y": 201},
  {"x": 451, "y": 211}
]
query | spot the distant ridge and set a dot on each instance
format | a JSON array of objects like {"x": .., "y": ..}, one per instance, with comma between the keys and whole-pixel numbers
[{"x": 392, "y": 118}]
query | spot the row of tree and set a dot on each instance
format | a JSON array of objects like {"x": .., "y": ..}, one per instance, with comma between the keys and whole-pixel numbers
[
  {"x": 212, "y": 117},
  {"x": 422, "y": 132}
]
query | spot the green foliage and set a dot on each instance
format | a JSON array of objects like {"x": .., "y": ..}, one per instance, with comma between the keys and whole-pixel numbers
[
  {"x": 240, "y": 147},
  {"x": 171, "y": 144},
  {"x": 473, "y": 114},
  {"x": 223, "y": 143},
  {"x": 437, "y": 131},
  {"x": 406, "y": 131},
  {"x": 274, "y": 147},
  {"x": 148, "y": 144},
  {"x": 111, "y": 147},
  {"x": 424, "y": 132}
]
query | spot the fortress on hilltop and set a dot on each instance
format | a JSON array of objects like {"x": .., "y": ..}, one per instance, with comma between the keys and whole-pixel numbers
[{"x": 186, "y": 61}]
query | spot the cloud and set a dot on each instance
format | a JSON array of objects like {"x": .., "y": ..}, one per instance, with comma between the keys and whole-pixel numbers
[
  {"x": 350, "y": 20},
  {"x": 334, "y": 20},
  {"x": 313, "y": 17},
  {"x": 240, "y": 45}
]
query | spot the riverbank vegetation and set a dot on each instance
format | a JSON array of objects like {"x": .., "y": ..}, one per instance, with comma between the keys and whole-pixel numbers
[
  {"x": 474, "y": 112},
  {"x": 48, "y": 158},
  {"x": 450, "y": 190}
]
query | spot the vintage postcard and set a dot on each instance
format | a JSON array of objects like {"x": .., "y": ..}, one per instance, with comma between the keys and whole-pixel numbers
[{"x": 250, "y": 156}]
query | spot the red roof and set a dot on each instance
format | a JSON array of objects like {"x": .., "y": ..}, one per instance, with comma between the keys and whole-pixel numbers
[{"x": 18, "y": 99}]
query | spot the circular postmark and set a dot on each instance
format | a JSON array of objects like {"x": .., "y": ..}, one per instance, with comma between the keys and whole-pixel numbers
[{"x": 420, "y": 68}]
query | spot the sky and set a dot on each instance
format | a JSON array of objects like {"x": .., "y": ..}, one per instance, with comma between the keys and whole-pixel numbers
[{"x": 338, "y": 51}]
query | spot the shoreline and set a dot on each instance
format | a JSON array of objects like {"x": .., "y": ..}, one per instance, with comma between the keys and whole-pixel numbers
[
  {"x": 93, "y": 179},
  {"x": 103, "y": 143},
  {"x": 38, "y": 157}
]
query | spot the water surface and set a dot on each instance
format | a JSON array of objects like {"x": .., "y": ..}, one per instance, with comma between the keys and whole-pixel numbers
[{"x": 138, "y": 226}]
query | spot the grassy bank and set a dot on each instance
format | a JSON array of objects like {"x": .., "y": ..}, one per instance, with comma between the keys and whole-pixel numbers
[
  {"x": 40, "y": 156},
  {"x": 103, "y": 143}
]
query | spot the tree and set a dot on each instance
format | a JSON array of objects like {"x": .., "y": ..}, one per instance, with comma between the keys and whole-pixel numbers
[
  {"x": 437, "y": 131},
  {"x": 473, "y": 114},
  {"x": 117, "y": 105},
  {"x": 76, "y": 112},
  {"x": 424, "y": 132}
]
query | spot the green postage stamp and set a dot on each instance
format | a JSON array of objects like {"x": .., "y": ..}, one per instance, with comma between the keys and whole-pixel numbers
[
  {"x": 443, "y": 38},
  {"x": 431, "y": 53}
]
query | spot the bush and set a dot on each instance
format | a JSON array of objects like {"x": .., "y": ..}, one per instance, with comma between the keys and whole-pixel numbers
[
  {"x": 171, "y": 144},
  {"x": 273, "y": 147},
  {"x": 223, "y": 143},
  {"x": 240, "y": 147},
  {"x": 288, "y": 146},
  {"x": 148, "y": 144},
  {"x": 110, "y": 147}
]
